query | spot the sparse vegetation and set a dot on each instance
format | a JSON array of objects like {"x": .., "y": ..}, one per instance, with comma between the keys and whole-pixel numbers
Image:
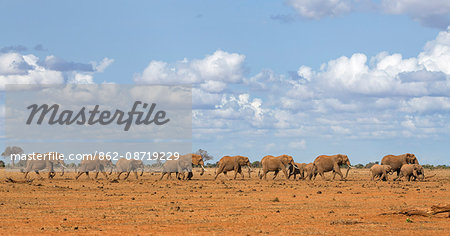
[{"x": 205, "y": 155}]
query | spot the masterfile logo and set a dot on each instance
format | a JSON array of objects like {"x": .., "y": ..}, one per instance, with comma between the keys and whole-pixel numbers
[{"x": 95, "y": 116}]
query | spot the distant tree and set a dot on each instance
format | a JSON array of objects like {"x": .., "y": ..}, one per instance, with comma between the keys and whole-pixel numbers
[
  {"x": 443, "y": 167},
  {"x": 2, "y": 164},
  {"x": 211, "y": 165},
  {"x": 359, "y": 166},
  {"x": 205, "y": 155},
  {"x": 11, "y": 150},
  {"x": 256, "y": 164},
  {"x": 370, "y": 164}
]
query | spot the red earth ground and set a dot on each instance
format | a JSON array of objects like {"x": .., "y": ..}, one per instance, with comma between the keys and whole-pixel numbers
[{"x": 221, "y": 207}]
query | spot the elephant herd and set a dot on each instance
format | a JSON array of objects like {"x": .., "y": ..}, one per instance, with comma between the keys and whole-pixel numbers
[{"x": 405, "y": 165}]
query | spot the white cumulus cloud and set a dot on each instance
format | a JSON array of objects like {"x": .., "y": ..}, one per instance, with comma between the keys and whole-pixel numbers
[
  {"x": 316, "y": 9},
  {"x": 435, "y": 13},
  {"x": 219, "y": 66}
]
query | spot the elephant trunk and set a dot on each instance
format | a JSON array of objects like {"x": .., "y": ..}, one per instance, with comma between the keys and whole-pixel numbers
[
  {"x": 62, "y": 168},
  {"x": 348, "y": 169},
  {"x": 111, "y": 170},
  {"x": 203, "y": 170}
]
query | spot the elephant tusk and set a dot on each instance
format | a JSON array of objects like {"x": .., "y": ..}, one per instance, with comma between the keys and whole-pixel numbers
[
  {"x": 203, "y": 168},
  {"x": 295, "y": 166}
]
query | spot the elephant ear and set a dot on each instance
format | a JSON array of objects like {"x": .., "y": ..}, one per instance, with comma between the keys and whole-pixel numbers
[{"x": 340, "y": 159}]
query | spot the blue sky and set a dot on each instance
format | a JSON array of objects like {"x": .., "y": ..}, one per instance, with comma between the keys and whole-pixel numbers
[{"x": 299, "y": 77}]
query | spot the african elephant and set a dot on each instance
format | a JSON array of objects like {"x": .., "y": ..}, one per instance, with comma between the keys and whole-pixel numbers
[
  {"x": 396, "y": 162},
  {"x": 38, "y": 161},
  {"x": 182, "y": 164},
  {"x": 299, "y": 170},
  {"x": 309, "y": 171},
  {"x": 326, "y": 163},
  {"x": 381, "y": 171},
  {"x": 196, "y": 160},
  {"x": 411, "y": 171},
  {"x": 124, "y": 165},
  {"x": 271, "y": 163},
  {"x": 96, "y": 164},
  {"x": 228, "y": 163}
]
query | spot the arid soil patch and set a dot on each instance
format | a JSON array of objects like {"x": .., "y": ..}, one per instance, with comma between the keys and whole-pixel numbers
[{"x": 224, "y": 206}]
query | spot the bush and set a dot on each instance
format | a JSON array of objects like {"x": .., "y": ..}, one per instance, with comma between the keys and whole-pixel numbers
[
  {"x": 256, "y": 164},
  {"x": 2, "y": 164},
  {"x": 359, "y": 166}
]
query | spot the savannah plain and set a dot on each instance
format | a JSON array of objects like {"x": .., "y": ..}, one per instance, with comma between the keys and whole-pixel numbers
[{"x": 222, "y": 207}]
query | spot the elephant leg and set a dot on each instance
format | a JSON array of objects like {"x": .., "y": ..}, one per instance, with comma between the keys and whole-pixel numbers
[
  {"x": 104, "y": 172},
  {"x": 398, "y": 175},
  {"x": 219, "y": 170},
  {"x": 190, "y": 175},
  {"x": 320, "y": 172},
  {"x": 285, "y": 173},
  {"x": 236, "y": 171},
  {"x": 383, "y": 176},
  {"x": 78, "y": 175},
  {"x": 118, "y": 175},
  {"x": 96, "y": 174},
  {"x": 135, "y": 174},
  {"x": 162, "y": 175},
  {"x": 241, "y": 172},
  {"x": 275, "y": 174},
  {"x": 181, "y": 176},
  {"x": 126, "y": 176},
  {"x": 337, "y": 170},
  {"x": 169, "y": 175},
  {"x": 26, "y": 174},
  {"x": 37, "y": 172},
  {"x": 264, "y": 174}
]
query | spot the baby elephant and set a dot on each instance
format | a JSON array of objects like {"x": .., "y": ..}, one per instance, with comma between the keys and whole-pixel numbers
[
  {"x": 381, "y": 171},
  {"x": 126, "y": 166},
  {"x": 411, "y": 171}
]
